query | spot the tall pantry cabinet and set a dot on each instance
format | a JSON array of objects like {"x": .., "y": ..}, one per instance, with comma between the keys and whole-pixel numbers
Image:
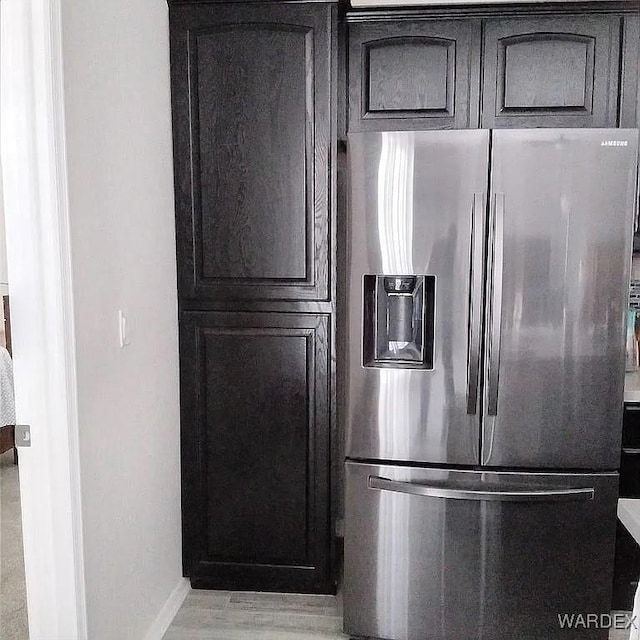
[{"x": 253, "y": 120}]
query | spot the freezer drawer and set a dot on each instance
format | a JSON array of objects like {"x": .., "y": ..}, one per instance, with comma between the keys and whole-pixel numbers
[{"x": 435, "y": 554}]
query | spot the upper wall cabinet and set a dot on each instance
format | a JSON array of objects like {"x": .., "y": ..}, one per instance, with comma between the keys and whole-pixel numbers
[
  {"x": 252, "y": 129},
  {"x": 413, "y": 74},
  {"x": 551, "y": 72}
]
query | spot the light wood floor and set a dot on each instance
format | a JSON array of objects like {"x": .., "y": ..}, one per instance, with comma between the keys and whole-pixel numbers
[{"x": 226, "y": 615}]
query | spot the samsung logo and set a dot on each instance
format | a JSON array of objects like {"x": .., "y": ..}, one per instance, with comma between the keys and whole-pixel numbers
[{"x": 614, "y": 143}]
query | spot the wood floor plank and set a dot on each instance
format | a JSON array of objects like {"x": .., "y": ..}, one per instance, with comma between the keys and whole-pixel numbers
[
  {"x": 285, "y": 603},
  {"x": 207, "y": 599},
  {"x": 177, "y": 633},
  {"x": 195, "y": 618}
]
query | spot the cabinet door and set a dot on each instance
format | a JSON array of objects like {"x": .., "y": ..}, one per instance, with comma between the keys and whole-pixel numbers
[
  {"x": 255, "y": 451},
  {"x": 413, "y": 75},
  {"x": 551, "y": 72},
  {"x": 252, "y": 142}
]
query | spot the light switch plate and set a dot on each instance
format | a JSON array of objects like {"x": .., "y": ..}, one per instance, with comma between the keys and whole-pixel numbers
[{"x": 123, "y": 329}]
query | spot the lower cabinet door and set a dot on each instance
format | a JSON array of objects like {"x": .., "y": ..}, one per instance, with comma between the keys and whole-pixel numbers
[
  {"x": 437, "y": 554},
  {"x": 255, "y": 451}
]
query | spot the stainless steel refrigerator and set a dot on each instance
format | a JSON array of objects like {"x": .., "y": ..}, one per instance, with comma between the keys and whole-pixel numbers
[{"x": 487, "y": 288}]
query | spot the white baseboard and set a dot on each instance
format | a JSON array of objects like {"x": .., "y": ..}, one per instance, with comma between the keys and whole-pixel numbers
[{"x": 169, "y": 610}]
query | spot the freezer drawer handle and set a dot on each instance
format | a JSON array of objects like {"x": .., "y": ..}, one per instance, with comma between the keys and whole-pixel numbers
[{"x": 519, "y": 495}]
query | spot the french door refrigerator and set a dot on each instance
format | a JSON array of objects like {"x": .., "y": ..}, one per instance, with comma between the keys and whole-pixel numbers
[{"x": 487, "y": 286}]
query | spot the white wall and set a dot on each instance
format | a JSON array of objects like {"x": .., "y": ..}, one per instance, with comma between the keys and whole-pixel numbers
[{"x": 116, "y": 71}]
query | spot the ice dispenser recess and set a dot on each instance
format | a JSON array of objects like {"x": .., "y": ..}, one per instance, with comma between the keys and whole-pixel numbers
[{"x": 398, "y": 321}]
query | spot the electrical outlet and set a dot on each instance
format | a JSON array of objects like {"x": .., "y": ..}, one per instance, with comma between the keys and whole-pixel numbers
[{"x": 22, "y": 435}]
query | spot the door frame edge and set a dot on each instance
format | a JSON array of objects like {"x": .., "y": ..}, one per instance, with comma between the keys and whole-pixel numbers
[{"x": 34, "y": 174}]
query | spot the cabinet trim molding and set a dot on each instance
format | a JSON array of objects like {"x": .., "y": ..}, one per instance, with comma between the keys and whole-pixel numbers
[
  {"x": 414, "y": 76},
  {"x": 551, "y": 72},
  {"x": 307, "y": 279},
  {"x": 447, "y": 106},
  {"x": 532, "y": 10},
  {"x": 585, "y": 105}
]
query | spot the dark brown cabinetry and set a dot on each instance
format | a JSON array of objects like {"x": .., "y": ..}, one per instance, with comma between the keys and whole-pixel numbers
[
  {"x": 414, "y": 75},
  {"x": 551, "y": 72},
  {"x": 416, "y": 70},
  {"x": 253, "y": 121},
  {"x": 251, "y": 93},
  {"x": 256, "y": 450}
]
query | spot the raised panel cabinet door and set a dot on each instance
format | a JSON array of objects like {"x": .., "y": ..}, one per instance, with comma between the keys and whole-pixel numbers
[
  {"x": 251, "y": 91},
  {"x": 551, "y": 72},
  {"x": 255, "y": 451},
  {"x": 413, "y": 75}
]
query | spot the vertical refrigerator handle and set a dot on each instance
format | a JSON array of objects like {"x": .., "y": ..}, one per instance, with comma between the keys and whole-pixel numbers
[
  {"x": 495, "y": 301},
  {"x": 475, "y": 301}
]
